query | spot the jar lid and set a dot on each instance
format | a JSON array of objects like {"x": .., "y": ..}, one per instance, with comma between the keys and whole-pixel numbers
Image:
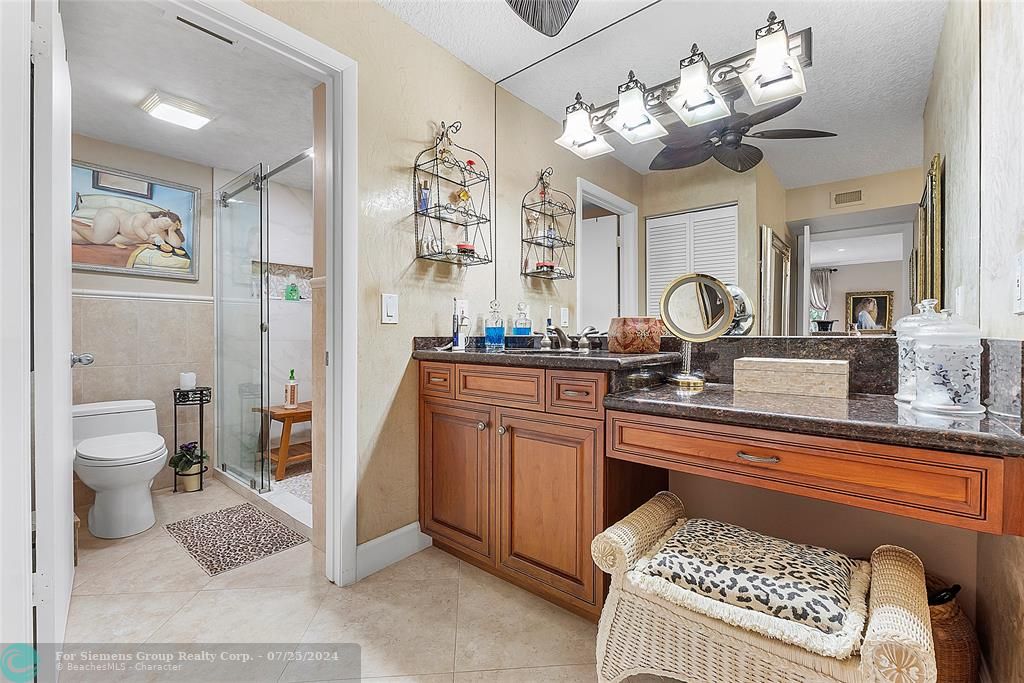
[
  {"x": 926, "y": 314},
  {"x": 685, "y": 380}
]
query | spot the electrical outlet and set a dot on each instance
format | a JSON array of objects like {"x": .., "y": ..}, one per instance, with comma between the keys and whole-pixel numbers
[
  {"x": 389, "y": 309},
  {"x": 565, "y": 318}
]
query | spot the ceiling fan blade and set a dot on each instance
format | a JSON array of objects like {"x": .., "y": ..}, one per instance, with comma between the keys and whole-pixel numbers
[
  {"x": 545, "y": 16},
  {"x": 672, "y": 158},
  {"x": 741, "y": 158},
  {"x": 790, "y": 134},
  {"x": 769, "y": 113},
  {"x": 680, "y": 135}
]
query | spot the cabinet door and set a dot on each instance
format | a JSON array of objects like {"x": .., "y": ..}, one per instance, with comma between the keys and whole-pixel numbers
[
  {"x": 546, "y": 498},
  {"x": 456, "y": 474}
]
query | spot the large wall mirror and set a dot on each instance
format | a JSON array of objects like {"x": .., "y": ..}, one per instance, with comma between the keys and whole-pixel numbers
[{"x": 828, "y": 179}]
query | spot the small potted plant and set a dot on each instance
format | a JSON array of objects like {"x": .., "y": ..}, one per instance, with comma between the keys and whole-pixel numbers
[{"x": 188, "y": 463}]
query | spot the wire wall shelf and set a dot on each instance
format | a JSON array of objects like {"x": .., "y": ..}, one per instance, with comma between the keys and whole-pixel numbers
[
  {"x": 548, "y": 225},
  {"x": 452, "y": 200}
]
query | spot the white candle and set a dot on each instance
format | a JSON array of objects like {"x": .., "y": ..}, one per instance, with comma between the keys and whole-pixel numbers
[{"x": 187, "y": 380}]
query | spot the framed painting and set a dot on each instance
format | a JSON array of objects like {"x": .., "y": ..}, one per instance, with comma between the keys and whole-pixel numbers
[
  {"x": 131, "y": 224},
  {"x": 929, "y": 232},
  {"x": 869, "y": 312}
]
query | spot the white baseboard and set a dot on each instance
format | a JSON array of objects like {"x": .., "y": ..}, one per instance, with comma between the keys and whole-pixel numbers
[{"x": 385, "y": 550}]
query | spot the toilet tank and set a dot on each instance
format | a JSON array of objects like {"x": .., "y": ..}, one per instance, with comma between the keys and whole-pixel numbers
[{"x": 112, "y": 417}]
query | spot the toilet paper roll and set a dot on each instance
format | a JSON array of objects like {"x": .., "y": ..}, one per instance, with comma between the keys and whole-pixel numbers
[{"x": 187, "y": 380}]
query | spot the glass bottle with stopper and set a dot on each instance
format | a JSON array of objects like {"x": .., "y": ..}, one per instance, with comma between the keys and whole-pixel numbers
[{"x": 494, "y": 329}]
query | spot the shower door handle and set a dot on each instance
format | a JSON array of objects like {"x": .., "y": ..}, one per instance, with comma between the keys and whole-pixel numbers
[{"x": 264, "y": 327}]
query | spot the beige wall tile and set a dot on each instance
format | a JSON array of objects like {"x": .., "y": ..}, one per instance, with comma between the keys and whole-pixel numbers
[
  {"x": 110, "y": 330},
  {"x": 201, "y": 338},
  {"x": 113, "y": 383}
]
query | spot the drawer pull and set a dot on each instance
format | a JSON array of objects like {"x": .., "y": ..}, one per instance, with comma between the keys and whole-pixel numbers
[
  {"x": 438, "y": 380},
  {"x": 573, "y": 392},
  {"x": 763, "y": 459}
]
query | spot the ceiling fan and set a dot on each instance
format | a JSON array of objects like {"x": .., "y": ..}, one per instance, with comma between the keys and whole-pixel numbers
[{"x": 723, "y": 139}]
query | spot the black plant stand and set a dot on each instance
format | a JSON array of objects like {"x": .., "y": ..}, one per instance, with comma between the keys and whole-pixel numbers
[{"x": 200, "y": 396}]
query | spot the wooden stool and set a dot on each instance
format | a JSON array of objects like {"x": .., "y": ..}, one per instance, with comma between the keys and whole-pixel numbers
[{"x": 285, "y": 454}]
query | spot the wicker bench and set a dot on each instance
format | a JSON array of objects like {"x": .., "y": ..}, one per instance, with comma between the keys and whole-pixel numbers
[{"x": 643, "y": 634}]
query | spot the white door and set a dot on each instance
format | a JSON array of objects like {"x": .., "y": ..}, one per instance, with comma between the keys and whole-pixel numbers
[
  {"x": 598, "y": 276},
  {"x": 51, "y": 329}
]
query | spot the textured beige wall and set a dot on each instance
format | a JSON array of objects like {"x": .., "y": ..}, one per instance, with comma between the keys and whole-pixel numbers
[
  {"x": 407, "y": 84},
  {"x": 1000, "y": 558},
  {"x": 945, "y": 551},
  {"x": 702, "y": 187},
  {"x": 952, "y": 128},
  {"x": 771, "y": 201},
  {"x": 898, "y": 188},
  {"x": 163, "y": 168},
  {"x": 871, "y": 277},
  {"x": 1002, "y": 164}
]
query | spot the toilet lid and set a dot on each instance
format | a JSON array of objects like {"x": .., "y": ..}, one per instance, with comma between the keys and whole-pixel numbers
[{"x": 121, "y": 449}]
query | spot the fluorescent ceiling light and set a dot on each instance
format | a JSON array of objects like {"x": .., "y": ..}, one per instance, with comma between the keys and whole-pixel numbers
[
  {"x": 774, "y": 74},
  {"x": 578, "y": 136},
  {"x": 632, "y": 120},
  {"x": 697, "y": 101},
  {"x": 176, "y": 110}
]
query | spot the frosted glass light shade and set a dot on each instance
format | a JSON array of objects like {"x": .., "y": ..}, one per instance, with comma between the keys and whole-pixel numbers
[
  {"x": 176, "y": 110},
  {"x": 697, "y": 101},
  {"x": 632, "y": 120},
  {"x": 775, "y": 74},
  {"x": 579, "y": 137}
]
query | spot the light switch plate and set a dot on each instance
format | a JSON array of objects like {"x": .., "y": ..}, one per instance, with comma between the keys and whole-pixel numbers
[
  {"x": 389, "y": 309},
  {"x": 1018, "y": 298},
  {"x": 958, "y": 301},
  {"x": 565, "y": 318}
]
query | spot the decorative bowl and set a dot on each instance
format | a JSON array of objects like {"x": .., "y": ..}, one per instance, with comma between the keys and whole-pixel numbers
[{"x": 635, "y": 335}]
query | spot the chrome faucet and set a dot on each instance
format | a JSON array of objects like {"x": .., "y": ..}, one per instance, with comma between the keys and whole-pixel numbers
[
  {"x": 585, "y": 334},
  {"x": 563, "y": 339}
]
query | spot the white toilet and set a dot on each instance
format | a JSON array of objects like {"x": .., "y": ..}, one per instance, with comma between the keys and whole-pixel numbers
[{"x": 118, "y": 452}]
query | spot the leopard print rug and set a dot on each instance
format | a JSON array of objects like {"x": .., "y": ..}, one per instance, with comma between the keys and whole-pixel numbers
[{"x": 229, "y": 538}]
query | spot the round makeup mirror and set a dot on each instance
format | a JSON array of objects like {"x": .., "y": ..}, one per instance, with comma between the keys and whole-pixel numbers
[{"x": 697, "y": 308}]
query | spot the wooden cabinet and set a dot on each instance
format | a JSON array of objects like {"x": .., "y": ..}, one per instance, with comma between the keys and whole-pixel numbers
[
  {"x": 546, "y": 514},
  {"x": 457, "y": 462},
  {"x": 437, "y": 379},
  {"x": 579, "y": 394},
  {"x": 498, "y": 386}
]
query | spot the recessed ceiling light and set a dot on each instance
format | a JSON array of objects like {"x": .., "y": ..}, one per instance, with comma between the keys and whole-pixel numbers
[
  {"x": 176, "y": 110},
  {"x": 841, "y": 249}
]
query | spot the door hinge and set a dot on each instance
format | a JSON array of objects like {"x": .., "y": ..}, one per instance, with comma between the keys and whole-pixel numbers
[
  {"x": 40, "y": 44},
  {"x": 42, "y": 589},
  {"x": 618, "y": 241},
  {"x": 327, "y": 357}
]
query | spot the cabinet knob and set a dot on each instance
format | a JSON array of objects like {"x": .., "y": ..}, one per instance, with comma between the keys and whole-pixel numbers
[
  {"x": 481, "y": 426},
  {"x": 502, "y": 430}
]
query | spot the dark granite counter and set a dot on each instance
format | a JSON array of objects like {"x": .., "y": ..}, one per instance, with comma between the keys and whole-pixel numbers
[
  {"x": 533, "y": 358},
  {"x": 865, "y": 417}
]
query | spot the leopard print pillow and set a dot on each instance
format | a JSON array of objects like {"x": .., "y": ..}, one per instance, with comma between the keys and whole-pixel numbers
[{"x": 730, "y": 564}]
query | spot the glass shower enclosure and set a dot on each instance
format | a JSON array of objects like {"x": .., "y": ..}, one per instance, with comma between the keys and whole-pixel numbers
[{"x": 242, "y": 328}]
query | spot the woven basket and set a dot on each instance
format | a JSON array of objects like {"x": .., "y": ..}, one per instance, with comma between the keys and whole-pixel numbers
[{"x": 957, "y": 655}]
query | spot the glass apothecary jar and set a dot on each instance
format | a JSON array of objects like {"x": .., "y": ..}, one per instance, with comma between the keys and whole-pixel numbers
[
  {"x": 947, "y": 358},
  {"x": 906, "y": 336}
]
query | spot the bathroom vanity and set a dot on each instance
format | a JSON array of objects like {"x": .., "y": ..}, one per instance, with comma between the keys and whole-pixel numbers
[{"x": 525, "y": 457}]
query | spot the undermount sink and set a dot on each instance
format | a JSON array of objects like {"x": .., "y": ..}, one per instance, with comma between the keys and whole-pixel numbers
[{"x": 547, "y": 351}]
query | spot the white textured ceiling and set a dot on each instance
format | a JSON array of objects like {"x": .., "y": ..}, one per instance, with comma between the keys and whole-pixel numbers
[
  {"x": 853, "y": 250},
  {"x": 868, "y": 83},
  {"x": 119, "y": 52}
]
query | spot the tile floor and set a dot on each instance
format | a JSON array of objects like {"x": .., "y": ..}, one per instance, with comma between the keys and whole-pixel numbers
[{"x": 427, "y": 619}]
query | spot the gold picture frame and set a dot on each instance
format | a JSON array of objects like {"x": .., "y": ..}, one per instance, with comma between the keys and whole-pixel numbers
[
  {"x": 877, "y": 306},
  {"x": 929, "y": 252}
]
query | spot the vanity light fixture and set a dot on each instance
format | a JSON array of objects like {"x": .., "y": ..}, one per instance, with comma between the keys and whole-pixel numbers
[
  {"x": 774, "y": 74},
  {"x": 578, "y": 136},
  {"x": 176, "y": 110},
  {"x": 632, "y": 120},
  {"x": 696, "y": 101}
]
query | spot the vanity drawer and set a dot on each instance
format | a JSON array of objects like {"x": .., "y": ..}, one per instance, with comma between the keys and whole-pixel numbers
[
  {"x": 509, "y": 387},
  {"x": 579, "y": 394},
  {"x": 947, "y": 488},
  {"x": 437, "y": 379}
]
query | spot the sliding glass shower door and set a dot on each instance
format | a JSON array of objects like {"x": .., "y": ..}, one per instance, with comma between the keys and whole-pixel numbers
[{"x": 243, "y": 339}]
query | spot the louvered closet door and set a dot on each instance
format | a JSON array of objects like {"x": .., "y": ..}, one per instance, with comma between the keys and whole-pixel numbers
[
  {"x": 694, "y": 242},
  {"x": 668, "y": 255}
]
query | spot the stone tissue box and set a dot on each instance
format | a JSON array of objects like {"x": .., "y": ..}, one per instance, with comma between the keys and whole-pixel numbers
[{"x": 794, "y": 376}]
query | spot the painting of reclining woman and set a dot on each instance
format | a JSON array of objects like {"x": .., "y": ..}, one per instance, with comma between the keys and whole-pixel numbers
[{"x": 126, "y": 223}]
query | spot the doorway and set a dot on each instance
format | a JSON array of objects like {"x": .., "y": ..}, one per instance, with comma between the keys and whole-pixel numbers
[{"x": 606, "y": 257}]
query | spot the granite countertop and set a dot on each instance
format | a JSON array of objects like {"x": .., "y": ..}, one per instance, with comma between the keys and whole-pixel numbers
[
  {"x": 593, "y": 360},
  {"x": 865, "y": 417}
]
